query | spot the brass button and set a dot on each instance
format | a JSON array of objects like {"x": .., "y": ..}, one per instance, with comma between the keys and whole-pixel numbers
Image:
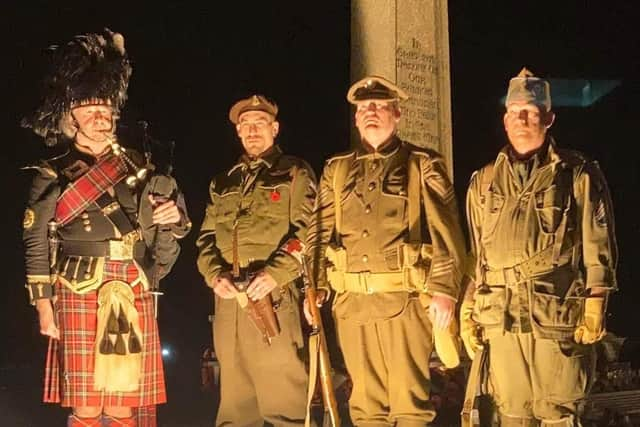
[
  {"x": 367, "y": 209},
  {"x": 373, "y": 166},
  {"x": 365, "y": 234},
  {"x": 371, "y": 186},
  {"x": 87, "y": 227},
  {"x": 365, "y": 258},
  {"x": 84, "y": 215}
]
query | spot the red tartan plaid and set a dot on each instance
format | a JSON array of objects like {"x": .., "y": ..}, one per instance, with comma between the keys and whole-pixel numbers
[
  {"x": 108, "y": 171},
  {"x": 69, "y": 371}
]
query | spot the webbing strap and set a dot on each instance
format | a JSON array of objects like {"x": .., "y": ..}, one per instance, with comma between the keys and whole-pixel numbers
[
  {"x": 339, "y": 178},
  {"x": 413, "y": 193}
]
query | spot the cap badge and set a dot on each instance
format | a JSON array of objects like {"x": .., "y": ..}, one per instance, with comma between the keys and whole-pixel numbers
[{"x": 255, "y": 101}]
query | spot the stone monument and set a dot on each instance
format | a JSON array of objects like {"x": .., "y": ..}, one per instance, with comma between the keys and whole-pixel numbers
[{"x": 407, "y": 41}]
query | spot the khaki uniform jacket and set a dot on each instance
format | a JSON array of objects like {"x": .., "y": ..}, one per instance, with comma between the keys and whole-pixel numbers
[
  {"x": 539, "y": 246},
  {"x": 375, "y": 223},
  {"x": 270, "y": 199}
]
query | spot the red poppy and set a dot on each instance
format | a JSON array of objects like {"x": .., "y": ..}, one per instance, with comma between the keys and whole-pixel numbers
[{"x": 275, "y": 196}]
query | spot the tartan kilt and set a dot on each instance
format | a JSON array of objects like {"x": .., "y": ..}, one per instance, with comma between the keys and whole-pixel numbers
[{"x": 69, "y": 367}]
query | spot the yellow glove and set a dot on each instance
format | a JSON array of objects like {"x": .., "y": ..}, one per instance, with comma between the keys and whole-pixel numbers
[
  {"x": 592, "y": 328},
  {"x": 470, "y": 331},
  {"x": 447, "y": 344}
]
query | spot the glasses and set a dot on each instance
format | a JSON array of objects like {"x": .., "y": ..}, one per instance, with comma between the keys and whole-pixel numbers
[
  {"x": 380, "y": 105},
  {"x": 258, "y": 125}
]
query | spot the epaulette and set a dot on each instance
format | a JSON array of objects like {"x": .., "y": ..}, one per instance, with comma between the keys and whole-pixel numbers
[
  {"x": 288, "y": 161},
  {"x": 342, "y": 155},
  {"x": 572, "y": 158},
  {"x": 49, "y": 166},
  {"x": 422, "y": 151}
]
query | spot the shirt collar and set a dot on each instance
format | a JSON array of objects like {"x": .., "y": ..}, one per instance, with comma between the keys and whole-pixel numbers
[
  {"x": 384, "y": 150},
  {"x": 268, "y": 158},
  {"x": 545, "y": 155}
]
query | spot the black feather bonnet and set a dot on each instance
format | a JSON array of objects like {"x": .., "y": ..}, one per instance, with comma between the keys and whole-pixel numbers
[{"x": 91, "y": 68}]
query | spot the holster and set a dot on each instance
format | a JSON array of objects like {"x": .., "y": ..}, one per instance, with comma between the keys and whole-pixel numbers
[{"x": 260, "y": 312}]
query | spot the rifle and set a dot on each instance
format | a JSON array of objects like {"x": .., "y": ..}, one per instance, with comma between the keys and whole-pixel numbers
[
  {"x": 318, "y": 356},
  {"x": 260, "y": 312}
]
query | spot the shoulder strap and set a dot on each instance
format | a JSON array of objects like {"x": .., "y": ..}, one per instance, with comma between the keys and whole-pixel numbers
[
  {"x": 413, "y": 194},
  {"x": 487, "y": 178},
  {"x": 339, "y": 177}
]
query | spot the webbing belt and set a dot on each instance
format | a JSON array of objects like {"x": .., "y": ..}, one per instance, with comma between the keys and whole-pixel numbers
[
  {"x": 368, "y": 283},
  {"x": 539, "y": 264}
]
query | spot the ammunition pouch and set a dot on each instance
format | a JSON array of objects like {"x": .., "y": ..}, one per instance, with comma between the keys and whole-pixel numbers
[{"x": 415, "y": 261}]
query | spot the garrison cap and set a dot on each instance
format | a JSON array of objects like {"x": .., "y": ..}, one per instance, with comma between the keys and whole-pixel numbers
[
  {"x": 253, "y": 103},
  {"x": 375, "y": 88},
  {"x": 530, "y": 89}
]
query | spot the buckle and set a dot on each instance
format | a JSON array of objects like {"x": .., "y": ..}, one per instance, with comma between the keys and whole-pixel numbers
[
  {"x": 511, "y": 275},
  {"x": 364, "y": 277},
  {"x": 122, "y": 250}
]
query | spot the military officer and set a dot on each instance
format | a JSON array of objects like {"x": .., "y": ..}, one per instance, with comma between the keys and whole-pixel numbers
[
  {"x": 541, "y": 227},
  {"x": 257, "y": 221},
  {"x": 387, "y": 220}
]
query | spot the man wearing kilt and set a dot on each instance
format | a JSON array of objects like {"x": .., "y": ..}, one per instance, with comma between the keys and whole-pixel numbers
[{"x": 98, "y": 235}]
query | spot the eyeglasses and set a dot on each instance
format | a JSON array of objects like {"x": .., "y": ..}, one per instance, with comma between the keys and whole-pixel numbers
[{"x": 377, "y": 105}]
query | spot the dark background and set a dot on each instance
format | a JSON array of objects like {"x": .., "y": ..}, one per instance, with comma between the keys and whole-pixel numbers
[{"x": 192, "y": 62}]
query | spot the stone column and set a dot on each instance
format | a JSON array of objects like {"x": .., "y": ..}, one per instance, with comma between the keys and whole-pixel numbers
[{"x": 407, "y": 41}]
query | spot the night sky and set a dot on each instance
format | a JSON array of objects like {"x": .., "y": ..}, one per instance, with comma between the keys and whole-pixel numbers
[{"x": 190, "y": 63}]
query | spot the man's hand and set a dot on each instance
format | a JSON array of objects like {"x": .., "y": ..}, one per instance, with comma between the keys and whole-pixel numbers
[
  {"x": 164, "y": 211},
  {"x": 441, "y": 311},
  {"x": 261, "y": 286},
  {"x": 223, "y": 286},
  {"x": 321, "y": 297},
  {"x": 47, "y": 319}
]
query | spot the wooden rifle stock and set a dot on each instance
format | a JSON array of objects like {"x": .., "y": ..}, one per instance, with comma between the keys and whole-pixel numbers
[{"x": 319, "y": 355}]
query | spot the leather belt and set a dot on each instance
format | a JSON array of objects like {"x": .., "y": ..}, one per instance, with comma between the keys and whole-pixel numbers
[{"x": 130, "y": 247}]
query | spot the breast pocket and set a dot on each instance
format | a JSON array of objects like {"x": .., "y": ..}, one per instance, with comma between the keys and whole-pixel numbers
[
  {"x": 271, "y": 207},
  {"x": 494, "y": 204},
  {"x": 272, "y": 201},
  {"x": 394, "y": 190},
  {"x": 226, "y": 206},
  {"x": 550, "y": 205}
]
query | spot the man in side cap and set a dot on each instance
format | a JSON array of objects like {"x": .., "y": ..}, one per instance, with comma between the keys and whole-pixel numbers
[
  {"x": 541, "y": 226},
  {"x": 385, "y": 238},
  {"x": 254, "y": 228}
]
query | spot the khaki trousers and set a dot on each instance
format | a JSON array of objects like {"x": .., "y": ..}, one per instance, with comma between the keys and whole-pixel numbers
[
  {"x": 259, "y": 383},
  {"x": 388, "y": 361},
  {"x": 538, "y": 381}
]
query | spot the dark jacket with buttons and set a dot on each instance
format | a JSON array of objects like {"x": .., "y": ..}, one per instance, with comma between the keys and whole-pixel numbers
[{"x": 49, "y": 182}]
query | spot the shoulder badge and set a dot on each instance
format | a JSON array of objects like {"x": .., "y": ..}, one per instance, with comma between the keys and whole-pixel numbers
[{"x": 29, "y": 218}]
